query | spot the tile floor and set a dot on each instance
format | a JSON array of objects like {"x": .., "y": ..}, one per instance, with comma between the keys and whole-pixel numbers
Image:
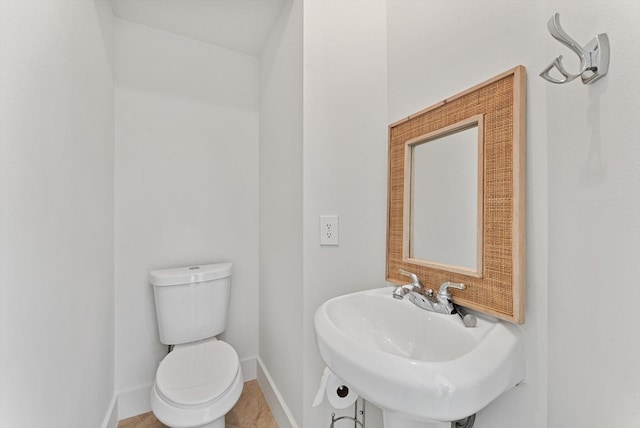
[{"x": 251, "y": 411}]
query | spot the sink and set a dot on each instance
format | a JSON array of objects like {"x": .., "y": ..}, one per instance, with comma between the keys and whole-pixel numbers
[{"x": 416, "y": 365}]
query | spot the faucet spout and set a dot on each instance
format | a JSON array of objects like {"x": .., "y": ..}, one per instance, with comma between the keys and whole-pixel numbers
[{"x": 401, "y": 291}]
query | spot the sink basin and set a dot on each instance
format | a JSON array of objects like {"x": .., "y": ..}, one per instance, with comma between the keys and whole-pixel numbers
[{"x": 425, "y": 366}]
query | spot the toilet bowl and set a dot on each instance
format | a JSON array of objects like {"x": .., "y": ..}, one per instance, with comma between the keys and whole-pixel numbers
[{"x": 196, "y": 385}]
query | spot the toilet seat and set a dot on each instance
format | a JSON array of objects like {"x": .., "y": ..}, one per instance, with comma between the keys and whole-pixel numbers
[{"x": 198, "y": 374}]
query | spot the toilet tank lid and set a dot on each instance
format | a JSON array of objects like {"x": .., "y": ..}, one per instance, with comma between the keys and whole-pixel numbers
[{"x": 189, "y": 274}]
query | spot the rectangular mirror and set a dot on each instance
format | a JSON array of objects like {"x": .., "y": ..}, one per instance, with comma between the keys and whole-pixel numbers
[
  {"x": 443, "y": 198},
  {"x": 456, "y": 199}
]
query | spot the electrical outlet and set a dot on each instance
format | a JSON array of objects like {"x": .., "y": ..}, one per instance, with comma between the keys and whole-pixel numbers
[{"x": 329, "y": 231}]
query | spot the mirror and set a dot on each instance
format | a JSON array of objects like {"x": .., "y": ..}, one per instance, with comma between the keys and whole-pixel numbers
[
  {"x": 443, "y": 194},
  {"x": 456, "y": 201}
]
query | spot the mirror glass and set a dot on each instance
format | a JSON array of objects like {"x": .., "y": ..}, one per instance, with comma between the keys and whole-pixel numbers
[{"x": 444, "y": 198}]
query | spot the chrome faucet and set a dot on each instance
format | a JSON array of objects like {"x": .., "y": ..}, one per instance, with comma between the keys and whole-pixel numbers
[
  {"x": 440, "y": 302},
  {"x": 427, "y": 299}
]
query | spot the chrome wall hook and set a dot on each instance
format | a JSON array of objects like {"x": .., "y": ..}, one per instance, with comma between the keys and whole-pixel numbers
[{"x": 594, "y": 56}]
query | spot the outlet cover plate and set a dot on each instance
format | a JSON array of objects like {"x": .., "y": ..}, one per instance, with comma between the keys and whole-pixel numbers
[{"x": 329, "y": 230}]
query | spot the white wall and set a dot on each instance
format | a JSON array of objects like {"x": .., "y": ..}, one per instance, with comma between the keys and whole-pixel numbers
[
  {"x": 280, "y": 326},
  {"x": 344, "y": 164},
  {"x": 56, "y": 219},
  {"x": 594, "y": 226},
  {"x": 186, "y": 189}
]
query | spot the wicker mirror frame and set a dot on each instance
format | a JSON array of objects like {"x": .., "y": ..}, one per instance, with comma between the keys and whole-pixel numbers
[{"x": 499, "y": 289}]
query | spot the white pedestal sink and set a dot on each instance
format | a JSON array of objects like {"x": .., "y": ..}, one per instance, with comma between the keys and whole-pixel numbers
[{"x": 421, "y": 368}]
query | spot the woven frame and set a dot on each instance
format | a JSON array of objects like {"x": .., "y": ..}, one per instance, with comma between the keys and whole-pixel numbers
[{"x": 501, "y": 101}]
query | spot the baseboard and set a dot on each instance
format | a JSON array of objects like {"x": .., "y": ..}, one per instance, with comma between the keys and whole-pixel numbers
[
  {"x": 111, "y": 418},
  {"x": 135, "y": 401},
  {"x": 279, "y": 409},
  {"x": 249, "y": 368}
]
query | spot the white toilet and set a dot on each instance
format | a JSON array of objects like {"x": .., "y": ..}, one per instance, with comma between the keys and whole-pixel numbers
[{"x": 200, "y": 380}]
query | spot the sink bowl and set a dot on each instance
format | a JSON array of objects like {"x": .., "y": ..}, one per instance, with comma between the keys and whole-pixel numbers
[{"x": 425, "y": 366}]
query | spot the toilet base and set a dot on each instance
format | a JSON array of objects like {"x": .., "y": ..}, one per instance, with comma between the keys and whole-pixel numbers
[{"x": 216, "y": 424}]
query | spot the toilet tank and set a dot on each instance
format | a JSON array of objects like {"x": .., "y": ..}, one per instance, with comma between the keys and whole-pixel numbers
[{"x": 191, "y": 302}]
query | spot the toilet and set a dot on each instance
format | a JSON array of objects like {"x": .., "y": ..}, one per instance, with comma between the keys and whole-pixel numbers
[{"x": 200, "y": 380}]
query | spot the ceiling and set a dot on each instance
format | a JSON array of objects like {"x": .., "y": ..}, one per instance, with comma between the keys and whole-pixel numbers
[{"x": 240, "y": 25}]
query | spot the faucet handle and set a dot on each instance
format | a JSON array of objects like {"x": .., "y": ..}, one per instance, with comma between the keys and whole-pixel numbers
[
  {"x": 414, "y": 278},
  {"x": 444, "y": 292}
]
